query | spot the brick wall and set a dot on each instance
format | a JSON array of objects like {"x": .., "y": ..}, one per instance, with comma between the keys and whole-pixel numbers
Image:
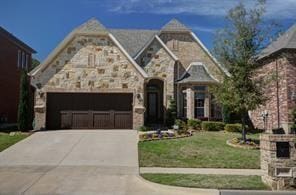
[{"x": 285, "y": 64}]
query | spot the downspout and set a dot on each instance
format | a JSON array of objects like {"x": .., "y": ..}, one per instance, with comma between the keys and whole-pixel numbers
[{"x": 277, "y": 94}]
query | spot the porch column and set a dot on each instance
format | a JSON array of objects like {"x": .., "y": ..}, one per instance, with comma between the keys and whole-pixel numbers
[
  {"x": 207, "y": 106},
  {"x": 190, "y": 103}
]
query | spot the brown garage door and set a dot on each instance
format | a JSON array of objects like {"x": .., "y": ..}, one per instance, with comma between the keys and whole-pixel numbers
[{"x": 89, "y": 111}]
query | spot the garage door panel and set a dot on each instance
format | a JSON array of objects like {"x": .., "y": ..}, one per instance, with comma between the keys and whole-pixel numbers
[
  {"x": 80, "y": 120},
  {"x": 102, "y": 120},
  {"x": 122, "y": 120}
]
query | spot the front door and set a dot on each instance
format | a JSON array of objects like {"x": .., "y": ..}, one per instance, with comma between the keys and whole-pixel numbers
[{"x": 152, "y": 112}]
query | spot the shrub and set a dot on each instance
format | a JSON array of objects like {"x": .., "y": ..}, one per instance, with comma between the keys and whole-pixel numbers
[
  {"x": 194, "y": 124},
  {"x": 233, "y": 128},
  {"x": 183, "y": 127},
  {"x": 212, "y": 126},
  {"x": 144, "y": 128},
  {"x": 171, "y": 113}
]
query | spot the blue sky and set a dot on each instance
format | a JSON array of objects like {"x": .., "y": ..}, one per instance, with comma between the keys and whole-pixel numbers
[{"x": 43, "y": 24}]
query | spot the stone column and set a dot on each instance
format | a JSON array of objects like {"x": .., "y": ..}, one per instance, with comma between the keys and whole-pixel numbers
[
  {"x": 207, "y": 106},
  {"x": 190, "y": 103}
]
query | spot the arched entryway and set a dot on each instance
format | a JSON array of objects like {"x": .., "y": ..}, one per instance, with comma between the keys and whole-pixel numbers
[{"x": 154, "y": 102}]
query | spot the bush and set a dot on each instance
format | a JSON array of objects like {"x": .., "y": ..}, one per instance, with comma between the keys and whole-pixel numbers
[
  {"x": 233, "y": 128},
  {"x": 194, "y": 124},
  {"x": 212, "y": 126},
  {"x": 183, "y": 127},
  {"x": 171, "y": 113},
  {"x": 144, "y": 128}
]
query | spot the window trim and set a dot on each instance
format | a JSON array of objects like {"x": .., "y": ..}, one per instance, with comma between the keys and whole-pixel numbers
[{"x": 19, "y": 58}]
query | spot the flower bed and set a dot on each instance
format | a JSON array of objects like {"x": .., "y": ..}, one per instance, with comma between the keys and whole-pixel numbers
[
  {"x": 162, "y": 135},
  {"x": 238, "y": 143}
]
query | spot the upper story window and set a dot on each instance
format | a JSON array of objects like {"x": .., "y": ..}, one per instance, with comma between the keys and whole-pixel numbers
[
  {"x": 175, "y": 45},
  {"x": 91, "y": 60},
  {"x": 23, "y": 59},
  {"x": 19, "y": 58},
  {"x": 27, "y": 61}
]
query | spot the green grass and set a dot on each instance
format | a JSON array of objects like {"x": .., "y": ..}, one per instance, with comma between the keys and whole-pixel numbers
[
  {"x": 208, "y": 181},
  {"x": 204, "y": 149},
  {"x": 7, "y": 140}
]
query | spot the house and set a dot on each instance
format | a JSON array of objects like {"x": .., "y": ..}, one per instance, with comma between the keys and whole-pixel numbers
[
  {"x": 120, "y": 78},
  {"x": 15, "y": 56},
  {"x": 278, "y": 60}
]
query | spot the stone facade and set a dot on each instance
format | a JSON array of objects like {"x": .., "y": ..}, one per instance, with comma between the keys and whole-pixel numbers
[
  {"x": 279, "y": 173},
  {"x": 156, "y": 61},
  {"x": 283, "y": 65},
  {"x": 89, "y": 64},
  {"x": 183, "y": 45}
]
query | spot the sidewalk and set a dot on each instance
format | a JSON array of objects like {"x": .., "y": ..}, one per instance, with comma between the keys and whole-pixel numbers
[{"x": 210, "y": 171}]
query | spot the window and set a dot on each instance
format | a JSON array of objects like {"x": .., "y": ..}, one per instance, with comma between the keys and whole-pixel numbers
[
  {"x": 23, "y": 59},
  {"x": 175, "y": 45},
  {"x": 27, "y": 61},
  {"x": 282, "y": 150},
  {"x": 199, "y": 101},
  {"x": 19, "y": 58},
  {"x": 91, "y": 60},
  {"x": 184, "y": 102}
]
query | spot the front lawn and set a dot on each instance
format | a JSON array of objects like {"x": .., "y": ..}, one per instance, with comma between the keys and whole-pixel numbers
[
  {"x": 208, "y": 181},
  {"x": 204, "y": 149},
  {"x": 7, "y": 140}
]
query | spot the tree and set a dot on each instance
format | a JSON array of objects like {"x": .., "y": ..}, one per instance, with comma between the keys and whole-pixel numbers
[
  {"x": 171, "y": 113},
  {"x": 236, "y": 47},
  {"x": 24, "y": 107},
  {"x": 35, "y": 63}
]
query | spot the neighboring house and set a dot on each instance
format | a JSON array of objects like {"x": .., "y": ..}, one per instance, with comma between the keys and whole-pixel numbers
[
  {"x": 15, "y": 56},
  {"x": 278, "y": 60},
  {"x": 119, "y": 78}
]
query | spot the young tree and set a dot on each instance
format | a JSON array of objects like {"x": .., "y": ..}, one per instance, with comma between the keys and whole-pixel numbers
[
  {"x": 236, "y": 47},
  {"x": 24, "y": 107}
]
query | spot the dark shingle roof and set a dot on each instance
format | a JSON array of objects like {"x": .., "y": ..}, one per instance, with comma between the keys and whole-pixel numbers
[
  {"x": 17, "y": 41},
  {"x": 92, "y": 25},
  {"x": 285, "y": 41},
  {"x": 133, "y": 40},
  {"x": 175, "y": 25},
  {"x": 196, "y": 73}
]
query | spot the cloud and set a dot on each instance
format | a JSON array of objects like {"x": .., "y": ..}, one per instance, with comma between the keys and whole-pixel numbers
[
  {"x": 203, "y": 29},
  {"x": 275, "y": 8}
]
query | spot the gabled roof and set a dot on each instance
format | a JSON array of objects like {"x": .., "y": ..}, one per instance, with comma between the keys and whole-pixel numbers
[
  {"x": 175, "y": 25},
  {"x": 91, "y": 27},
  {"x": 17, "y": 41},
  {"x": 156, "y": 37},
  {"x": 285, "y": 41},
  {"x": 133, "y": 40},
  {"x": 197, "y": 72}
]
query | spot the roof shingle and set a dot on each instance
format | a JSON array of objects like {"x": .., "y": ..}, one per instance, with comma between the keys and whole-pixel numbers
[
  {"x": 196, "y": 73},
  {"x": 176, "y": 26}
]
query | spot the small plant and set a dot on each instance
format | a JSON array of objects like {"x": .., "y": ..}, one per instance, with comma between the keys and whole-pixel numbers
[
  {"x": 144, "y": 128},
  {"x": 194, "y": 124},
  {"x": 233, "y": 128},
  {"x": 212, "y": 126},
  {"x": 183, "y": 127}
]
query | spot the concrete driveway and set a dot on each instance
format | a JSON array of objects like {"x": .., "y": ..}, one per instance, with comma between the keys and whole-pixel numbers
[{"x": 78, "y": 162}]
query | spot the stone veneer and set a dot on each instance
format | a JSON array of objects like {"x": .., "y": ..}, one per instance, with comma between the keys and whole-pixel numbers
[
  {"x": 92, "y": 64},
  {"x": 287, "y": 91},
  {"x": 159, "y": 64},
  {"x": 188, "y": 51},
  {"x": 271, "y": 165}
]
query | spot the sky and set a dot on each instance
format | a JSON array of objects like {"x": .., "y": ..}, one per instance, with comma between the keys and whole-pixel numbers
[{"x": 43, "y": 24}]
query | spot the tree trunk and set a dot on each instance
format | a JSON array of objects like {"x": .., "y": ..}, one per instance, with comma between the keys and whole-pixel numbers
[{"x": 244, "y": 131}]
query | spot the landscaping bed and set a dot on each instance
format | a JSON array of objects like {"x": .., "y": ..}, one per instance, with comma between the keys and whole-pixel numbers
[
  {"x": 237, "y": 182},
  {"x": 202, "y": 150},
  {"x": 8, "y": 139}
]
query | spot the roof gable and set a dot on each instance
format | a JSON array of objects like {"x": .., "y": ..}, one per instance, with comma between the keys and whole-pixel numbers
[
  {"x": 91, "y": 27},
  {"x": 175, "y": 26},
  {"x": 197, "y": 72},
  {"x": 285, "y": 41}
]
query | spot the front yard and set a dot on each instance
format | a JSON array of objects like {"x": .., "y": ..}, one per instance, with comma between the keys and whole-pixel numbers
[
  {"x": 202, "y": 150},
  {"x": 208, "y": 181},
  {"x": 7, "y": 139}
]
